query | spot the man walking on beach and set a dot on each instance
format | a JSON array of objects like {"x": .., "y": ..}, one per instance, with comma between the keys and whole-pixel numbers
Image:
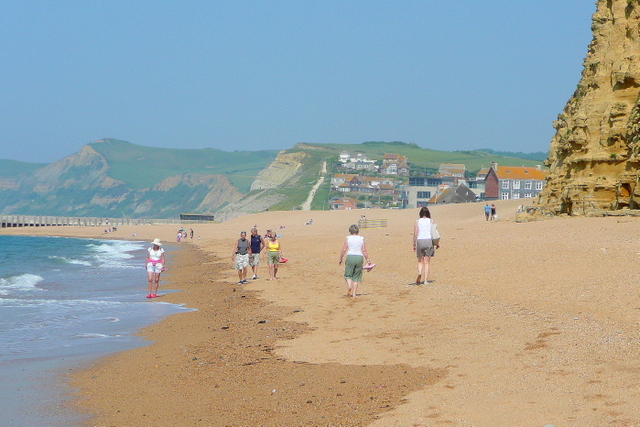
[
  {"x": 487, "y": 211},
  {"x": 257, "y": 245},
  {"x": 241, "y": 253}
]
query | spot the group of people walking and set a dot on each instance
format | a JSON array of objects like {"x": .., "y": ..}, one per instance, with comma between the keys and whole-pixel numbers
[
  {"x": 247, "y": 252},
  {"x": 425, "y": 242}
]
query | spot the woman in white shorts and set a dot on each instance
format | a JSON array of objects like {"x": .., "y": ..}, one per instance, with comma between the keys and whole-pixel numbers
[{"x": 155, "y": 266}]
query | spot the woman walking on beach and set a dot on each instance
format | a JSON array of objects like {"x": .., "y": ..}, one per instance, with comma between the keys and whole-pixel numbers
[
  {"x": 155, "y": 266},
  {"x": 356, "y": 252},
  {"x": 423, "y": 244},
  {"x": 274, "y": 254}
]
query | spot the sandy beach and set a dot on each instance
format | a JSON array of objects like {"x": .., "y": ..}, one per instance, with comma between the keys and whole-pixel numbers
[{"x": 525, "y": 324}]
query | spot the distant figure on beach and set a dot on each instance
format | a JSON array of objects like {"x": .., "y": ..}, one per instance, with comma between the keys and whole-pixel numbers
[
  {"x": 155, "y": 266},
  {"x": 423, "y": 244},
  {"x": 274, "y": 254},
  {"x": 179, "y": 236},
  {"x": 494, "y": 213},
  {"x": 191, "y": 233},
  {"x": 356, "y": 252},
  {"x": 487, "y": 211},
  {"x": 240, "y": 255},
  {"x": 257, "y": 245}
]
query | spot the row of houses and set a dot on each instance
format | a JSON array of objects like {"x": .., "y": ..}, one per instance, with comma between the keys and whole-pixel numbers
[
  {"x": 355, "y": 183},
  {"x": 492, "y": 183},
  {"x": 392, "y": 163},
  {"x": 449, "y": 185}
]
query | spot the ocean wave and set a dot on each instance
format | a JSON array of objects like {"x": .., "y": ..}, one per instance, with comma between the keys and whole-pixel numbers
[
  {"x": 85, "y": 304},
  {"x": 115, "y": 253},
  {"x": 71, "y": 260},
  {"x": 20, "y": 283},
  {"x": 91, "y": 335}
]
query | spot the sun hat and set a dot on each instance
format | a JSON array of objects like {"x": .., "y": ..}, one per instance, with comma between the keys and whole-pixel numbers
[{"x": 156, "y": 242}]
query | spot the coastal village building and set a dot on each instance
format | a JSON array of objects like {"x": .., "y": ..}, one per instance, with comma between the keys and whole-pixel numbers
[
  {"x": 452, "y": 169},
  {"x": 342, "y": 203},
  {"x": 512, "y": 182},
  {"x": 458, "y": 194},
  {"x": 394, "y": 164},
  {"x": 354, "y": 183},
  {"x": 482, "y": 173},
  {"x": 422, "y": 188},
  {"x": 358, "y": 162}
]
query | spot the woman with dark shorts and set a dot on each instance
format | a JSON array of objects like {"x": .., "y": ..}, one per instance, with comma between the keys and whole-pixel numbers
[
  {"x": 356, "y": 252},
  {"x": 423, "y": 244}
]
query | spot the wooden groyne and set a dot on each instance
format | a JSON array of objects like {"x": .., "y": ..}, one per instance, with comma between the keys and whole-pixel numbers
[
  {"x": 7, "y": 221},
  {"x": 372, "y": 223}
]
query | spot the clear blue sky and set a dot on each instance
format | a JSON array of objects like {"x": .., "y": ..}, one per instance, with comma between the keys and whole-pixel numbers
[{"x": 250, "y": 75}]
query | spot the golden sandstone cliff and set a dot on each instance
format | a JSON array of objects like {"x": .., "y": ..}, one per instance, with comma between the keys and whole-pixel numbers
[{"x": 594, "y": 157}]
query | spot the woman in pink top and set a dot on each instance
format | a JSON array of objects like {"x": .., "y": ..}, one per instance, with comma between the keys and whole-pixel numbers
[{"x": 155, "y": 266}]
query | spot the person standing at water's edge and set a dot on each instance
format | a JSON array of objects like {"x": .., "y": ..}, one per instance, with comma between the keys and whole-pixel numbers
[
  {"x": 155, "y": 266},
  {"x": 274, "y": 255},
  {"x": 241, "y": 254},
  {"x": 423, "y": 244},
  {"x": 257, "y": 245},
  {"x": 356, "y": 252}
]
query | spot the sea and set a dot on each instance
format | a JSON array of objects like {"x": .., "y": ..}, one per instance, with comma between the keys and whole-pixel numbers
[{"x": 63, "y": 303}]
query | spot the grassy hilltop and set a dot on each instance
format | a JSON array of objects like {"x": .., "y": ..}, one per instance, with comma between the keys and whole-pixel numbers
[{"x": 111, "y": 178}]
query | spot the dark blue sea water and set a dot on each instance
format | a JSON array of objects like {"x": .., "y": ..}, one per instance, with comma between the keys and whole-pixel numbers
[{"x": 64, "y": 302}]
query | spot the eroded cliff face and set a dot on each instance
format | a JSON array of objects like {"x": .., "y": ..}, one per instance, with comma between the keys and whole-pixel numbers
[
  {"x": 80, "y": 185},
  {"x": 279, "y": 171},
  {"x": 595, "y": 153}
]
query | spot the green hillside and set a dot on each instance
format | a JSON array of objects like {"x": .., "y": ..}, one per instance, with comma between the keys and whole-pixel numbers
[
  {"x": 428, "y": 158},
  {"x": 141, "y": 167},
  {"x": 82, "y": 184}
]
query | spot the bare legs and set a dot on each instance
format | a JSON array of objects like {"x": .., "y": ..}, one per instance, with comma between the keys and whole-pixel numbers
[
  {"x": 423, "y": 268},
  {"x": 352, "y": 287},
  {"x": 273, "y": 271},
  {"x": 153, "y": 284}
]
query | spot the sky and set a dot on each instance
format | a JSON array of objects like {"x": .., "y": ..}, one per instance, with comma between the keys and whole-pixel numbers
[{"x": 265, "y": 75}]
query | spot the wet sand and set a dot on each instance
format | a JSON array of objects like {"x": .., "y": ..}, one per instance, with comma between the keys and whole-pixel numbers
[{"x": 524, "y": 324}]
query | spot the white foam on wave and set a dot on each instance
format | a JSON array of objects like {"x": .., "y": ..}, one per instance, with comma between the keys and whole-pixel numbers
[
  {"x": 72, "y": 261},
  {"x": 115, "y": 253},
  {"x": 21, "y": 283},
  {"x": 63, "y": 303},
  {"x": 91, "y": 335}
]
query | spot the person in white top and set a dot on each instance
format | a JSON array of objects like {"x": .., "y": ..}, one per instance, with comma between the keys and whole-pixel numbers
[
  {"x": 356, "y": 252},
  {"x": 423, "y": 244},
  {"x": 155, "y": 266}
]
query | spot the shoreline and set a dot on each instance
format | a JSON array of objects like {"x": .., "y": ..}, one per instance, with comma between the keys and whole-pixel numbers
[
  {"x": 223, "y": 356},
  {"x": 525, "y": 324}
]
